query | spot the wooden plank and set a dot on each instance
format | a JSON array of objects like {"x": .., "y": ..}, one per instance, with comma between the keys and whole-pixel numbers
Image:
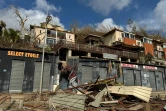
[
  {"x": 134, "y": 108},
  {"x": 109, "y": 102},
  {"x": 137, "y": 91},
  {"x": 98, "y": 98},
  {"x": 62, "y": 97},
  {"x": 73, "y": 101}
]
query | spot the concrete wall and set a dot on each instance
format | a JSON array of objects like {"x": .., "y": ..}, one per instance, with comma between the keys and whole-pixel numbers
[
  {"x": 70, "y": 37},
  {"x": 129, "y": 41},
  {"x": 41, "y": 36},
  {"x": 149, "y": 48},
  {"x": 109, "y": 39},
  {"x": 118, "y": 35},
  {"x": 159, "y": 47}
]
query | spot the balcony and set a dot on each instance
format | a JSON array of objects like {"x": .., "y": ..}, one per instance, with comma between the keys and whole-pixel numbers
[
  {"x": 129, "y": 41},
  {"x": 159, "y": 54},
  {"x": 93, "y": 49}
]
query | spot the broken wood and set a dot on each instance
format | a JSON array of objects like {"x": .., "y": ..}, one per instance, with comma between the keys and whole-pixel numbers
[
  {"x": 109, "y": 102},
  {"x": 134, "y": 108},
  {"x": 140, "y": 92},
  {"x": 98, "y": 98},
  {"x": 91, "y": 97},
  {"x": 73, "y": 101}
]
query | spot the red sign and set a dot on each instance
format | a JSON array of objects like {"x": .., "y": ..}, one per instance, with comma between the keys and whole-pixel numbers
[
  {"x": 129, "y": 65},
  {"x": 150, "y": 67}
]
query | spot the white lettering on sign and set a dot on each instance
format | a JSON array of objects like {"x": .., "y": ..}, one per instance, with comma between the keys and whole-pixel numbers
[
  {"x": 150, "y": 67},
  {"x": 129, "y": 65}
]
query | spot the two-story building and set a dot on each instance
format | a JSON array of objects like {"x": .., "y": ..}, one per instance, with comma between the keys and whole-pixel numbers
[
  {"x": 54, "y": 34},
  {"x": 125, "y": 41}
]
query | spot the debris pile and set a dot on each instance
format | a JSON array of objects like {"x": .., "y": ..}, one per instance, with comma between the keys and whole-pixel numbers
[{"x": 102, "y": 95}]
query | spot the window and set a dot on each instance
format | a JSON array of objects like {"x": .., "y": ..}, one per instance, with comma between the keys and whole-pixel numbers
[
  {"x": 127, "y": 35},
  {"x": 150, "y": 41},
  {"x": 164, "y": 45},
  {"x": 147, "y": 40},
  {"x": 40, "y": 31},
  {"x": 69, "y": 36},
  {"x": 132, "y": 36},
  {"x": 122, "y": 34},
  {"x": 50, "y": 41}
]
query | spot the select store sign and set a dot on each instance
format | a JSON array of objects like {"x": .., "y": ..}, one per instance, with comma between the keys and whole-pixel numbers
[
  {"x": 150, "y": 67},
  {"x": 129, "y": 65},
  {"x": 22, "y": 54}
]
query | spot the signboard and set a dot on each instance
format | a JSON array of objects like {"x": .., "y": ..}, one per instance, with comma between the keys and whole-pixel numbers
[
  {"x": 110, "y": 56},
  {"x": 22, "y": 54},
  {"x": 129, "y": 65},
  {"x": 150, "y": 67}
]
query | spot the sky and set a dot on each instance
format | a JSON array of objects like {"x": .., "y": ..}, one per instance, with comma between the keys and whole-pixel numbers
[{"x": 112, "y": 13}]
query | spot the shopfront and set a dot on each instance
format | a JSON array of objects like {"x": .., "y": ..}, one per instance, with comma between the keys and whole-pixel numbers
[
  {"x": 20, "y": 70},
  {"x": 143, "y": 75}
]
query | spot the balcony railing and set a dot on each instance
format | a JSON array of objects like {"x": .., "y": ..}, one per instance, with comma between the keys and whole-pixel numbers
[{"x": 94, "y": 49}]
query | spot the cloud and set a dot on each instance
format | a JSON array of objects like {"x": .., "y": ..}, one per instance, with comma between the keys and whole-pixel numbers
[
  {"x": 106, "y": 6},
  {"x": 107, "y": 24},
  {"x": 155, "y": 19},
  {"x": 43, "y": 5},
  {"x": 159, "y": 11},
  {"x": 35, "y": 16}
]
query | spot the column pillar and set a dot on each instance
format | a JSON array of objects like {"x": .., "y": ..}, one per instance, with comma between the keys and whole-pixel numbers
[
  {"x": 89, "y": 54},
  {"x": 119, "y": 59},
  {"x": 69, "y": 53}
]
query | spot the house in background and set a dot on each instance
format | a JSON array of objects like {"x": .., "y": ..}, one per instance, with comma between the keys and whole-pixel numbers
[
  {"x": 124, "y": 41},
  {"x": 93, "y": 40},
  {"x": 54, "y": 34}
]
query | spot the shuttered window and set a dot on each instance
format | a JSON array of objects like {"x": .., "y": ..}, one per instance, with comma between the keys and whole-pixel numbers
[
  {"x": 159, "y": 81},
  {"x": 86, "y": 74},
  {"x": 103, "y": 73},
  {"x": 46, "y": 76},
  {"x": 17, "y": 74}
]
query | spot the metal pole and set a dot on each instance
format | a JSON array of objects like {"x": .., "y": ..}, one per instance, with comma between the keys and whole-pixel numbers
[{"x": 42, "y": 68}]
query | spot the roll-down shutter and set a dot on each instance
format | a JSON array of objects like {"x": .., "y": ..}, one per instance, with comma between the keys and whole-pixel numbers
[
  {"x": 152, "y": 80},
  {"x": 103, "y": 73},
  {"x": 129, "y": 78},
  {"x": 86, "y": 74},
  {"x": 46, "y": 76},
  {"x": 159, "y": 81},
  {"x": 137, "y": 77},
  {"x": 17, "y": 75}
]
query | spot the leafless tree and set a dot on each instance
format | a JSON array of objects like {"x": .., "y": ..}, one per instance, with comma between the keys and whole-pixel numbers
[{"x": 21, "y": 19}]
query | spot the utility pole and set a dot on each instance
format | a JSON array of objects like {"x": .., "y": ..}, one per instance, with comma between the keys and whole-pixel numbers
[{"x": 48, "y": 19}]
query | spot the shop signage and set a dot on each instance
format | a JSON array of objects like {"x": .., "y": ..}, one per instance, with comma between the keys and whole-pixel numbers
[
  {"x": 150, "y": 67},
  {"x": 110, "y": 56},
  {"x": 129, "y": 65},
  {"x": 22, "y": 54}
]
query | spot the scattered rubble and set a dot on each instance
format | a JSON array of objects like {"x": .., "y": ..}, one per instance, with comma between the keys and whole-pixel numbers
[{"x": 102, "y": 95}]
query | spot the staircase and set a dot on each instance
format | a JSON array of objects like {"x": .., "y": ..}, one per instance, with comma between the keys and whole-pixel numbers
[{"x": 58, "y": 46}]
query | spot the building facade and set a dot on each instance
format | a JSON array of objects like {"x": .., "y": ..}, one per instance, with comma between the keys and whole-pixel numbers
[{"x": 20, "y": 70}]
